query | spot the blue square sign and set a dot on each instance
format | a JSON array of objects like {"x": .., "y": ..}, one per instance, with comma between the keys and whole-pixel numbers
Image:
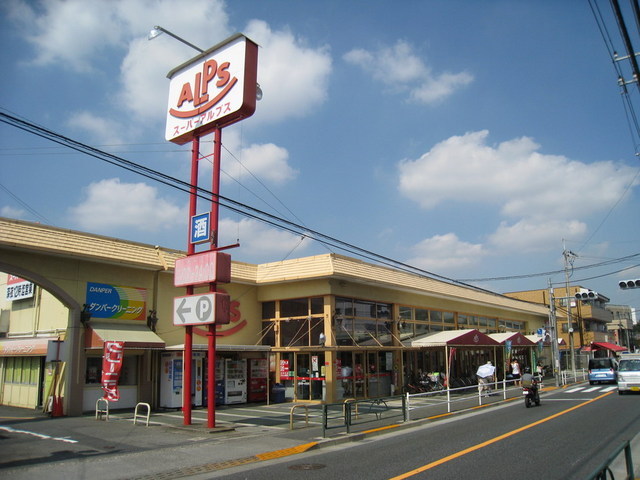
[{"x": 200, "y": 228}]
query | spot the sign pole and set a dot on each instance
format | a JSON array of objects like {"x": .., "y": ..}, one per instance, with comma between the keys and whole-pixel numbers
[
  {"x": 191, "y": 249},
  {"x": 211, "y": 344}
]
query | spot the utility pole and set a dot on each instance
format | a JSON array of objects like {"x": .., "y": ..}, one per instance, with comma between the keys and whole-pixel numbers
[
  {"x": 553, "y": 325},
  {"x": 569, "y": 256}
]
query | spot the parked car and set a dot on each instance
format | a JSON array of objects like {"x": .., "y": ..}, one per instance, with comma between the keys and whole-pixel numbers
[
  {"x": 602, "y": 370},
  {"x": 629, "y": 373}
]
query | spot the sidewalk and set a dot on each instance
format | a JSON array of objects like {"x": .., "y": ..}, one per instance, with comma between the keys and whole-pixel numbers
[{"x": 118, "y": 449}]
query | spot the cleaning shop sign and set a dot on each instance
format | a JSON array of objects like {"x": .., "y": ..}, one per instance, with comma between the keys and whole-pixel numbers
[
  {"x": 111, "y": 301},
  {"x": 213, "y": 90}
]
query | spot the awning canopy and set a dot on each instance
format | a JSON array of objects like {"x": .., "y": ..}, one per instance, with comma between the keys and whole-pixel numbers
[
  {"x": 36, "y": 346},
  {"x": 547, "y": 340},
  {"x": 133, "y": 335},
  {"x": 454, "y": 338},
  {"x": 608, "y": 346},
  {"x": 517, "y": 339}
]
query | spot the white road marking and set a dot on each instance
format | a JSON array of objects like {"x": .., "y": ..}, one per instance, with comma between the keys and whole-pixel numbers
[{"x": 39, "y": 435}]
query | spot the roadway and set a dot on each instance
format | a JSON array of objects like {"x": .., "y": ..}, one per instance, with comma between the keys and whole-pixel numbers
[{"x": 567, "y": 437}]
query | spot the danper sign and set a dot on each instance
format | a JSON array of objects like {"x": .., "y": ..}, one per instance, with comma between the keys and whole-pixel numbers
[{"x": 213, "y": 90}]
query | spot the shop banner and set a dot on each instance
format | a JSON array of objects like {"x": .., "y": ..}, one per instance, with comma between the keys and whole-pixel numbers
[
  {"x": 111, "y": 367},
  {"x": 284, "y": 369},
  {"x": 18, "y": 288},
  {"x": 111, "y": 301}
]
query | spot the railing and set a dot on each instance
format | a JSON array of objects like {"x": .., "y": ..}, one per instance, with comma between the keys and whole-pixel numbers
[
  {"x": 604, "y": 471},
  {"x": 357, "y": 412},
  {"x": 102, "y": 408},
  {"x": 144, "y": 416},
  {"x": 306, "y": 414},
  {"x": 573, "y": 376}
]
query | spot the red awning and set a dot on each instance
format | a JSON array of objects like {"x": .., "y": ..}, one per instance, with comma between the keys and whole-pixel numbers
[{"x": 608, "y": 346}]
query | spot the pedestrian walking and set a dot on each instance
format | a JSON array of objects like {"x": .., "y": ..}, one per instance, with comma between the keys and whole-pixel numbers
[
  {"x": 485, "y": 378},
  {"x": 515, "y": 371}
]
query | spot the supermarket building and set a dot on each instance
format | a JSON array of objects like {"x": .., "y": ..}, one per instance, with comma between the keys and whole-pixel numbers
[{"x": 323, "y": 328}]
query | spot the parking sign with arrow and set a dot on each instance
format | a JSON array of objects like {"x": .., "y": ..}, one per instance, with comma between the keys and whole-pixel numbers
[{"x": 201, "y": 309}]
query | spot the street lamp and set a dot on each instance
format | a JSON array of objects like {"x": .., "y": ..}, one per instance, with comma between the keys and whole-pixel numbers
[{"x": 158, "y": 30}]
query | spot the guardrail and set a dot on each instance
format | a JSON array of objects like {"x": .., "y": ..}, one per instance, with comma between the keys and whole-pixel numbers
[
  {"x": 573, "y": 376},
  {"x": 353, "y": 412},
  {"x": 604, "y": 471}
]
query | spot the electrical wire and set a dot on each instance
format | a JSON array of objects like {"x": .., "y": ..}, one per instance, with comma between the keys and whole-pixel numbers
[{"x": 228, "y": 203}]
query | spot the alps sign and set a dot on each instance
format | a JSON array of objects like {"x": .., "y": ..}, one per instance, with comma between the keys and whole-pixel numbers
[{"x": 213, "y": 90}]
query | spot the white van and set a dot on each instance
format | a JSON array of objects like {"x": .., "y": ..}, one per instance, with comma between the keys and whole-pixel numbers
[{"x": 629, "y": 373}]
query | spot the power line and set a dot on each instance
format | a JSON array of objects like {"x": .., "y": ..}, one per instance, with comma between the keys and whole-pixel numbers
[
  {"x": 553, "y": 272},
  {"x": 228, "y": 203}
]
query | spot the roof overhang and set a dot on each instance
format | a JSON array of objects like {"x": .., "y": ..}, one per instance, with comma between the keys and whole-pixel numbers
[{"x": 134, "y": 336}]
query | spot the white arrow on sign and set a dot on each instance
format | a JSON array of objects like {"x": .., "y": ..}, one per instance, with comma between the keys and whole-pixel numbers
[{"x": 194, "y": 309}]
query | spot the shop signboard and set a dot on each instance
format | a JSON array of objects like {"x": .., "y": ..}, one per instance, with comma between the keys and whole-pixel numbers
[
  {"x": 111, "y": 301},
  {"x": 201, "y": 309},
  {"x": 212, "y": 90},
  {"x": 201, "y": 268},
  {"x": 200, "y": 228},
  {"x": 18, "y": 288}
]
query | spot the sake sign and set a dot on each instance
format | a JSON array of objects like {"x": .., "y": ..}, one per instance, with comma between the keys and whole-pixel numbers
[{"x": 213, "y": 90}]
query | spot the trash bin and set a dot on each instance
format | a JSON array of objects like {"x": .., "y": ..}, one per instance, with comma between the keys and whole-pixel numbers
[{"x": 277, "y": 393}]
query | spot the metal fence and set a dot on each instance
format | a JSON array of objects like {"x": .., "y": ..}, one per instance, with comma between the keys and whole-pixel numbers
[{"x": 357, "y": 413}]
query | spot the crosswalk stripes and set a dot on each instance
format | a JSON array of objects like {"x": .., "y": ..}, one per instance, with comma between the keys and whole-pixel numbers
[{"x": 592, "y": 388}]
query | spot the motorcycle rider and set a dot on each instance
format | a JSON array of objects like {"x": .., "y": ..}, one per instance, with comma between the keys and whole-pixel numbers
[{"x": 528, "y": 380}]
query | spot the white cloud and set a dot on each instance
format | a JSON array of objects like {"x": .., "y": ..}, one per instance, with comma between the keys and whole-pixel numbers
[
  {"x": 259, "y": 240},
  {"x": 103, "y": 130},
  {"x": 11, "y": 212},
  {"x": 67, "y": 32},
  {"x": 544, "y": 198},
  {"x": 110, "y": 204},
  {"x": 267, "y": 162},
  {"x": 446, "y": 253},
  {"x": 514, "y": 175},
  {"x": 401, "y": 69},
  {"x": 534, "y": 235},
  {"x": 293, "y": 76},
  {"x": 76, "y": 34}
]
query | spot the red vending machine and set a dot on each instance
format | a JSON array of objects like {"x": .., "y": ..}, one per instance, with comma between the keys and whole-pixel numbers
[{"x": 258, "y": 371}]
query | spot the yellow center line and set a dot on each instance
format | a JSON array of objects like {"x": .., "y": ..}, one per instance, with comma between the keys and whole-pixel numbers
[{"x": 493, "y": 440}]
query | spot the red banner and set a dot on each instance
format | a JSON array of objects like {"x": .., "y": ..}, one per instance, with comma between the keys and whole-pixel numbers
[{"x": 111, "y": 367}]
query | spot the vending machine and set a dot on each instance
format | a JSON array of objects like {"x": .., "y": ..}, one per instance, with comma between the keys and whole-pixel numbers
[
  {"x": 171, "y": 378},
  {"x": 235, "y": 381},
  {"x": 258, "y": 371}
]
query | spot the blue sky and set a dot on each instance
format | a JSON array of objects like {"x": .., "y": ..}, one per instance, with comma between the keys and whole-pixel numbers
[{"x": 470, "y": 139}]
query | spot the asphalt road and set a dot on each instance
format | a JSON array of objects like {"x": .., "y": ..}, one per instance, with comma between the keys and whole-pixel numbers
[{"x": 567, "y": 437}]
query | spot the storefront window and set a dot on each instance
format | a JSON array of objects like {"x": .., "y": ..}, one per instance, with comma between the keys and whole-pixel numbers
[
  {"x": 296, "y": 307},
  {"x": 405, "y": 313},
  {"x": 268, "y": 310},
  {"x": 294, "y": 333},
  {"x": 422, "y": 315},
  {"x": 317, "y": 305},
  {"x": 128, "y": 374},
  {"x": 449, "y": 317},
  {"x": 269, "y": 333}
]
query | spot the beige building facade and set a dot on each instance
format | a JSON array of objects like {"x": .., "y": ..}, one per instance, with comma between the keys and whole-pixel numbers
[{"x": 319, "y": 329}]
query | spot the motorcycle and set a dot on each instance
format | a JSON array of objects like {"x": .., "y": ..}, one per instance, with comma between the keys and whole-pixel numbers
[{"x": 531, "y": 395}]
